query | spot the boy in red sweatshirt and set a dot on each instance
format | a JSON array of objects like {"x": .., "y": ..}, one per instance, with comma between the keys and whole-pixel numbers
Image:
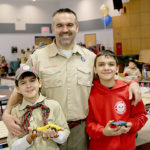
[{"x": 109, "y": 102}]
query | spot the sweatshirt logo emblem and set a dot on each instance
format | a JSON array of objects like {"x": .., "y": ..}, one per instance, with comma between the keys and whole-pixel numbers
[{"x": 120, "y": 107}]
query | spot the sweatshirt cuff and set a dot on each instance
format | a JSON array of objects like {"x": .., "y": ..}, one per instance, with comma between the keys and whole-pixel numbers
[{"x": 132, "y": 130}]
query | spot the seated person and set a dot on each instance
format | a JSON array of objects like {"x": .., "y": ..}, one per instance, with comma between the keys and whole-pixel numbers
[
  {"x": 4, "y": 66},
  {"x": 132, "y": 70},
  {"x": 33, "y": 112},
  {"x": 27, "y": 53},
  {"x": 22, "y": 58}
]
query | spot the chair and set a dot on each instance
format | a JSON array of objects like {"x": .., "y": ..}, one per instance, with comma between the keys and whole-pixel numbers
[
  {"x": 4, "y": 87},
  {"x": 5, "y": 101}
]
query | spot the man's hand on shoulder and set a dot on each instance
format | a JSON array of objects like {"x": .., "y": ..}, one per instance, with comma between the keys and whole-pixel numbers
[
  {"x": 13, "y": 124},
  {"x": 134, "y": 89}
]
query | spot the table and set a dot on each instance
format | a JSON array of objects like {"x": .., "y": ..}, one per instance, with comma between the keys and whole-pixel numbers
[
  {"x": 4, "y": 95},
  {"x": 3, "y": 134},
  {"x": 145, "y": 83},
  {"x": 143, "y": 139}
]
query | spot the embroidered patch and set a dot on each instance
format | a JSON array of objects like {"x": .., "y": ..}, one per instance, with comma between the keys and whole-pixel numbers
[
  {"x": 83, "y": 59},
  {"x": 120, "y": 107},
  {"x": 26, "y": 67}
]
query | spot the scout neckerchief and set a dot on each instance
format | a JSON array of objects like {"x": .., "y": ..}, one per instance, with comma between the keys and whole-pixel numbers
[{"x": 27, "y": 115}]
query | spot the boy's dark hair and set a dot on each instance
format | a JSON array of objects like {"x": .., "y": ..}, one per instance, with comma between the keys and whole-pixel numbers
[
  {"x": 133, "y": 60},
  {"x": 65, "y": 10},
  {"x": 23, "y": 51},
  {"x": 26, "y": 74},
  {"x": 107, "y": 53}
]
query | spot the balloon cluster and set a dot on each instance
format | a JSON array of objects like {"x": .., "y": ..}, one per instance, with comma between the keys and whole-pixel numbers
[{"x": 106, "y": 19}]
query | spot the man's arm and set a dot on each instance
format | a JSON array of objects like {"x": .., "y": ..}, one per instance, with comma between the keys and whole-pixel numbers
[
  {"x": 134, "y": 90},
  {"x": 15, "y": 97},
  {"x": 10, "y": 121}
]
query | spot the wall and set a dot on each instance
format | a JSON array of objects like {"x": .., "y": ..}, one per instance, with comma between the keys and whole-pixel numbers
[
  {"x": 21, "y": 21},
  {"x": 132, "y": 28},
  {"x": 26, "y": 11},
  {"x": 104, "y": 37},
  {"x": 22, "y": 41}
]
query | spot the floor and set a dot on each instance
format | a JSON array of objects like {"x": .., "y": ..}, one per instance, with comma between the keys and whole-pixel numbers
[{"x": 142, "y": 141}]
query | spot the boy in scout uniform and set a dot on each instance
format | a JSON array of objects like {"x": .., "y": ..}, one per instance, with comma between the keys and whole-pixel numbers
[
  {"x": 132, "y": 69},
  {"x": 34, "y": 111}
]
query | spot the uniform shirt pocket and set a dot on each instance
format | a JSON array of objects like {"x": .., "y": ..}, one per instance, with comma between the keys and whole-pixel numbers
[
  {"x": 84, "y": 76},
  {"x": 52, "y": 78}
]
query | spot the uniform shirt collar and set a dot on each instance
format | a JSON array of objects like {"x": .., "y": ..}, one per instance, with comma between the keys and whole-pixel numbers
[
  {"x": 25, "y": 103},
  {"x": 53, "y": 51}
]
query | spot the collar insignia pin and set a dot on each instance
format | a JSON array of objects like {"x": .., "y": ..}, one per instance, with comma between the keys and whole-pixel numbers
[{"x": 83, "y": 59}]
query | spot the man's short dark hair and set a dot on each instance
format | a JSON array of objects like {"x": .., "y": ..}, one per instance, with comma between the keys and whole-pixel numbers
[{"x": 64, "y": 10}]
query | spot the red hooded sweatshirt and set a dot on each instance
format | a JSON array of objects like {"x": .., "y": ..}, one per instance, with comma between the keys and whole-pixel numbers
[{"x": 113, "y": 104}]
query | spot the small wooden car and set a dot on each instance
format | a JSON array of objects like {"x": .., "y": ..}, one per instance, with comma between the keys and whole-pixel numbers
[
  {"x": 119, "y": 123},
  {"x": 50, "y": 126}
]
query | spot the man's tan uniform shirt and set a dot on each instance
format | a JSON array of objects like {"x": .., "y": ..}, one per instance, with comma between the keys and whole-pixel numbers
[
  {"x": 36, "y": 120},
  {"x": 67, "y": 80}
]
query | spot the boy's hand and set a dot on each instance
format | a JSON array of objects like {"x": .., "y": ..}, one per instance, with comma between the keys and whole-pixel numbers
[
  {"x": 51, "y": 134},
  {"x": 126, "y": 129},
  {"x": 31, "y": 136},
  {"x": 134, "y": 89},
  {"x": 109, "y": 131},
  {"x": 13, "y": 125}
]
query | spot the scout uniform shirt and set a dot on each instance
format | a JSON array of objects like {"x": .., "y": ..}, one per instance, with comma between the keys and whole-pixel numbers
[
  {"x": 132, "y": 72},
  {"x": 36, "y": 120},
  {"x": 67, "y": 80},
  {"x": 23, "y": 58},
  {"x": 27, "y": 54}
]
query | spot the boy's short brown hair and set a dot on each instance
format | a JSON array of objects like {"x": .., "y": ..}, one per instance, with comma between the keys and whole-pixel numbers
[{"x": 106, "y": 53}]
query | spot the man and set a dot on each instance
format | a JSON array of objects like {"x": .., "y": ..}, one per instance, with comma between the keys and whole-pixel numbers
[{"x": 67, "y": 72}]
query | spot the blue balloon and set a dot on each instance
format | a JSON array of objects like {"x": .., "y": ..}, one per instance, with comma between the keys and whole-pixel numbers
[{"x": 107, "y": 20}]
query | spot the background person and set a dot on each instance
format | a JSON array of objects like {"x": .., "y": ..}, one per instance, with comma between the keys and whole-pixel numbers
[
  {"x": 132, "y": 69},
  {"x": 4, "y": 66},
  {"x": 22, "y": 58},
  {"x": 27, "y": 53}
]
